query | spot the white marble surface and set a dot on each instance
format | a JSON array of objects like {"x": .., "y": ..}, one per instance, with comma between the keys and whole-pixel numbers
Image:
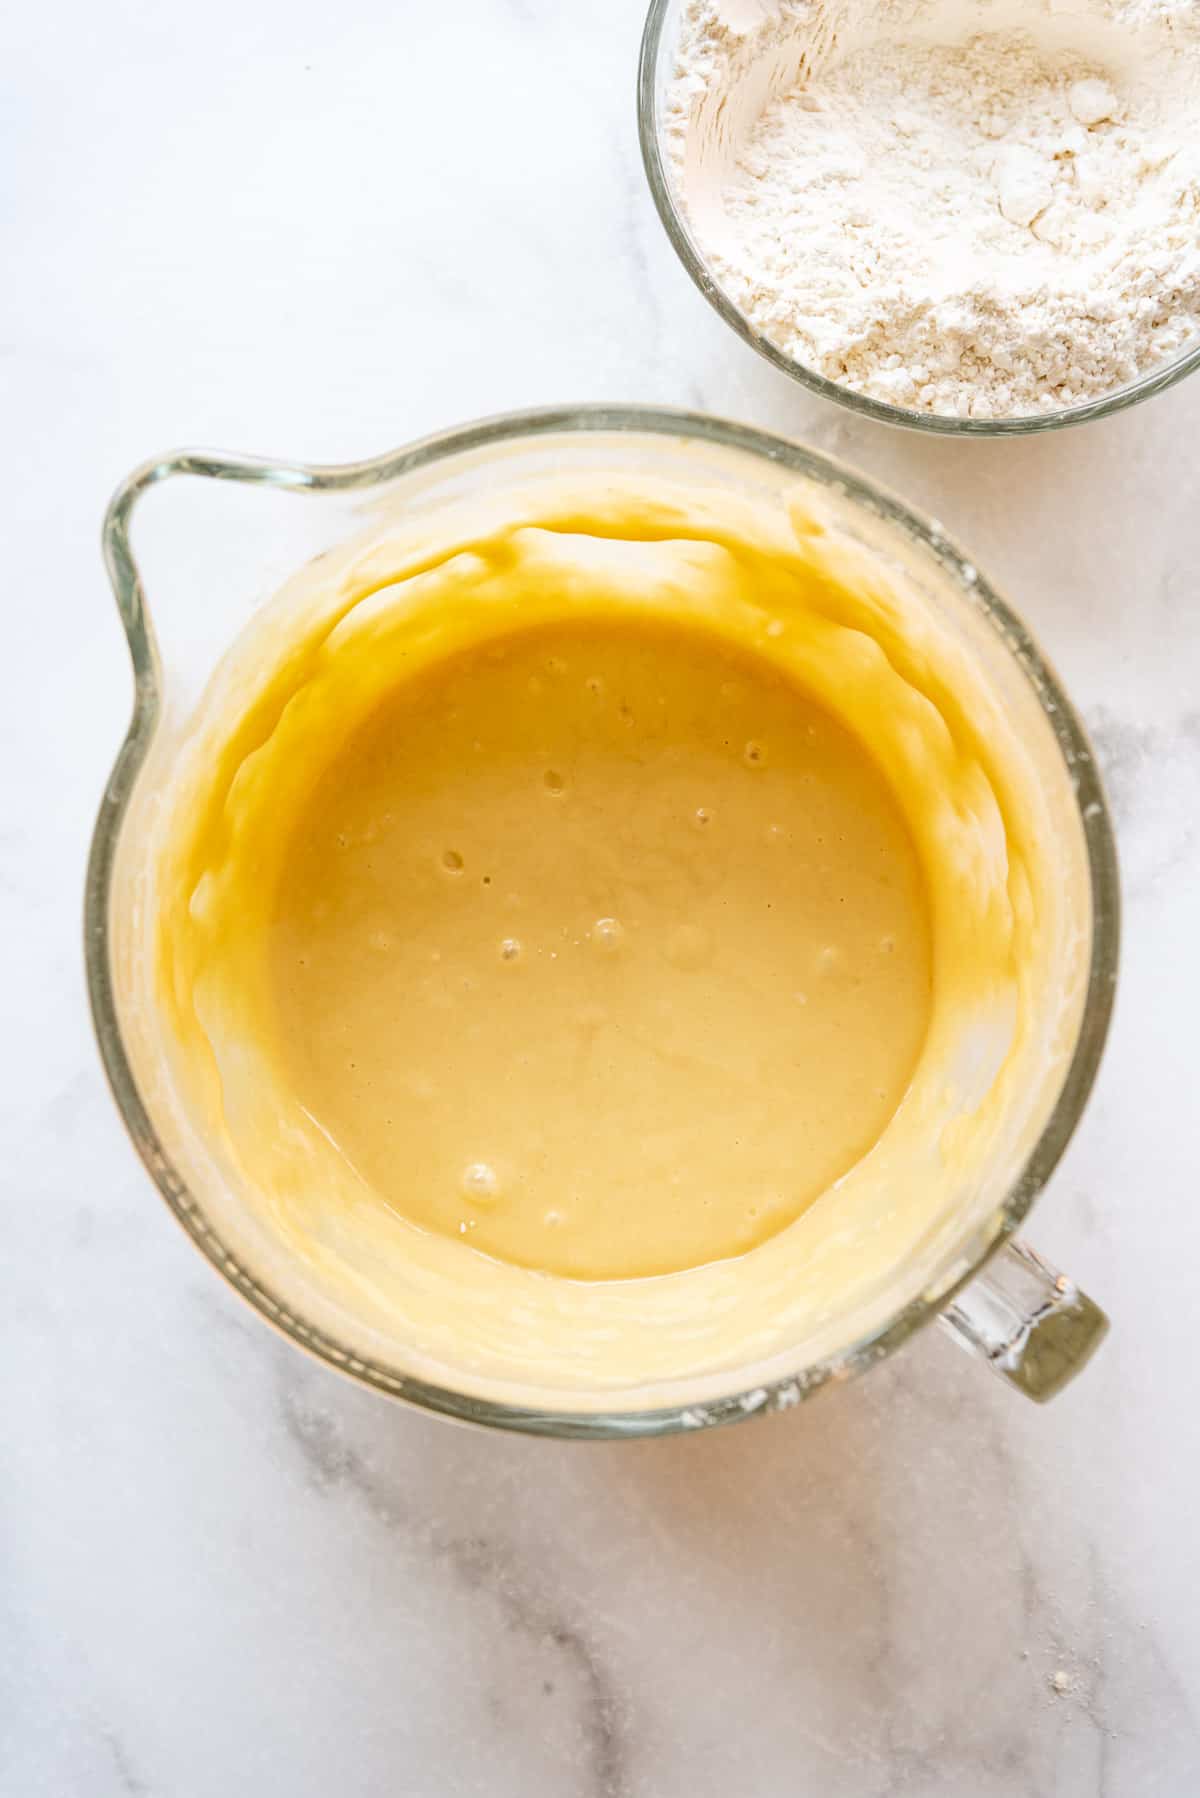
[{"x": 322, "y": 230}]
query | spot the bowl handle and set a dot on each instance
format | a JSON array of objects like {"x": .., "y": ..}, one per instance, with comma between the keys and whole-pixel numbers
[
  {"x": 255, "y": 471},
  {"x": 1031, "y": 1324}
]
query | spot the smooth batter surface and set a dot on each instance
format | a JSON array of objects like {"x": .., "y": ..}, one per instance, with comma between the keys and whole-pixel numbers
[{"x": 603, "y": 947}]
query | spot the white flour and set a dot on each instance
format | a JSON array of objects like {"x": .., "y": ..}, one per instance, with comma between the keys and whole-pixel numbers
[{"x": 977, "y": 207}]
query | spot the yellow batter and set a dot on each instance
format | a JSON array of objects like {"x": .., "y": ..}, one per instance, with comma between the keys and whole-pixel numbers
[
  {"x": 610, "y": 931},
  {"x": 601, "y": 946}
]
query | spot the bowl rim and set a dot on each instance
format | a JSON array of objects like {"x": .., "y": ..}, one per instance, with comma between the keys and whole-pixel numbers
[
  {"x": 1155, "y": 380},
  {"x": 963, "y": 1260}
]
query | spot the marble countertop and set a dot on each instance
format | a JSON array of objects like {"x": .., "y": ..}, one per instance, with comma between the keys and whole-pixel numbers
[{"x": 322, "y": 231}]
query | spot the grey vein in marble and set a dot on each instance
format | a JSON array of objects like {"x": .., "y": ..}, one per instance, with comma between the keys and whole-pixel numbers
[{"x": 476, "y": 1563}]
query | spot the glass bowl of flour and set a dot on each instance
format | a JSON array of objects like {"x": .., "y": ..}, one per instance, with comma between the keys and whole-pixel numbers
[{"x": 974, "y": 216}]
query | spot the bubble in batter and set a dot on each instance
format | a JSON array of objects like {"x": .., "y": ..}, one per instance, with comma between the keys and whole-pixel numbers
[
  {"x": 479, "y": 1182},
  {"x": 608, "y": 934}
]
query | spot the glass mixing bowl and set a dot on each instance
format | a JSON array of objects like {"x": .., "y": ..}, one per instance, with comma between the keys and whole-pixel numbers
[
  {"x": 655, "y": 67},
  {"x": 267, "y": 519}
]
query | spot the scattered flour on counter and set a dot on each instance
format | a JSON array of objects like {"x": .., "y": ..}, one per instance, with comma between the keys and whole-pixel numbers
[{"x": 982, "y": 208}]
